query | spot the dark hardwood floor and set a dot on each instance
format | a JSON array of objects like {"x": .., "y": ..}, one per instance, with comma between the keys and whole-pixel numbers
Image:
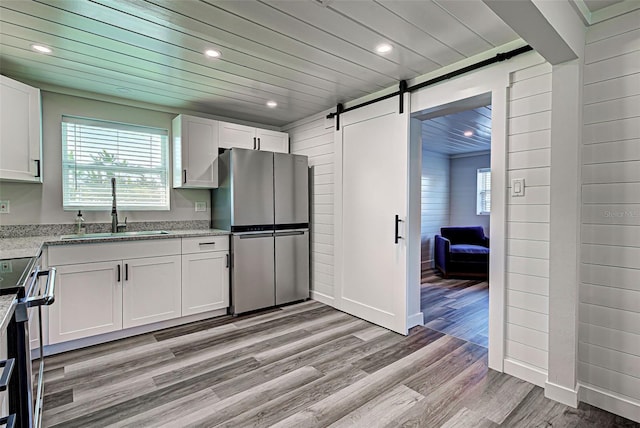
[
  {"x": 457, "y": 307},
  {"x": 305, "y": 365}
]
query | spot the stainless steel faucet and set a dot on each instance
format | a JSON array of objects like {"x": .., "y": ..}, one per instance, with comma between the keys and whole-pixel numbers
[{"x": 115, "y": 226}]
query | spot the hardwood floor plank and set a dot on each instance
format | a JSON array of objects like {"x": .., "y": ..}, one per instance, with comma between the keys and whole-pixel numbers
[
  {"x": 157, "y": 415},
  {"x": 288, "y": 404},
  {"x": 58, "y": 399},
  {"x": 343, "y": 402},
  {"x": 382, "y": 409},
  {"x": 467, "y": 418},
  {"x": 239, "y": 403}
]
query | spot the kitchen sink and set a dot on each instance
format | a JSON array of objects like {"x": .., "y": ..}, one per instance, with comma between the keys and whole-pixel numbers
[{"x": 115, "y": 235}]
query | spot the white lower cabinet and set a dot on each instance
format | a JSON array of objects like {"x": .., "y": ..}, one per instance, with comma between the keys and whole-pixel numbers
[
  {"x": 88, "y": 301},
  {"x": 205, "y": 282},
  {"x": 106, "y": 287},
  {"x": 151, "y": 290}
]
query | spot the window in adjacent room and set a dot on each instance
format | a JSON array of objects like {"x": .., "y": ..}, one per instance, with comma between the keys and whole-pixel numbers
[
  {"x": 94, "y": 151},
  {"x": 484, "y": 192}
]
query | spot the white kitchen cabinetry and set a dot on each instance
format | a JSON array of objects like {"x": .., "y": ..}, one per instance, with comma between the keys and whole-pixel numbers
[
  {"x": 195, "y": 150},
  {"x": 205, "y": 274},
  {"x": 246, "y": 137},
  {"x": 106, "y": 287},
  {"x": 151, "y": 290},
  {"x": 88, "y": 301},
  {"x": 20, "y": 132}
]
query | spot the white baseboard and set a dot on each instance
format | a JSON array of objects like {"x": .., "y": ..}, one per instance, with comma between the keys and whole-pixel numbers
[
  {"x": 561, "y": 394},
  {"x": 526, "y": 372},
  {"x": 121, "y": 334},
  {"x": 323, "y": 298},
  {"x": 415, "y": 319},
  {"x": 610, "y": 401}
]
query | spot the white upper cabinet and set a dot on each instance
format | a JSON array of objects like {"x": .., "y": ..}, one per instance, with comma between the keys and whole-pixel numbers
[
  {"x": 195, "y": 151},
  {"x": 247, "y": 137},
  {"x": 20, "y": 132}
]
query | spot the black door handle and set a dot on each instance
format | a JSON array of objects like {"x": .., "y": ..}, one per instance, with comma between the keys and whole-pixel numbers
[
  {"x": 184, "y": 173},
  {"x": 118, "y": 273},
  {"x": 126, "y": 271},
  {"x": 254, "y": 143},
  {"x": 258, "y": 143},
  {"x": 397, "y": 223},
  {"x": 37, "y": 168},
  {"x": 227, "y": 260}
]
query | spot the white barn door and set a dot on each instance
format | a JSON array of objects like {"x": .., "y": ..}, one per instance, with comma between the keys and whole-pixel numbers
[{"x": 371, "y": 190}]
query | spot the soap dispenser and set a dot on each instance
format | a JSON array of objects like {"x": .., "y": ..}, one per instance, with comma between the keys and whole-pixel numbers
[{"x": 80, "y": 226}]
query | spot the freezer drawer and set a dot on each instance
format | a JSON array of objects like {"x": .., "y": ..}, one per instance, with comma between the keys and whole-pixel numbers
[
  {"x": 291, "y": 189},
  {"x": 292, "y": 266},
  {"x": 253, "y": 275}
]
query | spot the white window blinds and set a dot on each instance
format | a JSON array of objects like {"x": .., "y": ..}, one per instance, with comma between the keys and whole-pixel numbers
[
  {"x": 94, "y": 151},
  {"x": 484, "y": 192}
]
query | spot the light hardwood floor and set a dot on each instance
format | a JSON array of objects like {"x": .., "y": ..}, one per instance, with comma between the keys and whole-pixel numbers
[
  {"x": 305, "y": 365},
  {"x": 458, "y": 307}
]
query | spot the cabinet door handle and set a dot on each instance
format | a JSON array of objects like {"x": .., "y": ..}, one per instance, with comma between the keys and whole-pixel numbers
[
  {"x": 227, "y": 261},
  {"x": 37, "y": 168},
  {"x": 258, "y": 143},
  {"x": 207, "y": 243},
  {"x": 184, "y": 176},
  {"x": 254, "y": 143},
  {"x": 126, "y": 271},
  {"x": 118, "y": 273}
]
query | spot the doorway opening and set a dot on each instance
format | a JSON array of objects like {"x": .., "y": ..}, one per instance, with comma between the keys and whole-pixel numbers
[{"x": 455, "y": 217}]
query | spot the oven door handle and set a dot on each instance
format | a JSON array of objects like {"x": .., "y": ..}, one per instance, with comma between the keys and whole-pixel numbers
[
  {"x": 7, "y": 369},
  {"x": 49, "y": 292}
]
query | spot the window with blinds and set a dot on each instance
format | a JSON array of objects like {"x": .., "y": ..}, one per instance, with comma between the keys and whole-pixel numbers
[
  {"x": 484, "y": 192},
  {"x": 94, "y": 151}
]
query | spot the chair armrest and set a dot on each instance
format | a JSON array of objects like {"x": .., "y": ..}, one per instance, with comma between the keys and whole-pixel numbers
[
  {"x": 441, "y": 250},
  {"x": 486, "y": 242}
]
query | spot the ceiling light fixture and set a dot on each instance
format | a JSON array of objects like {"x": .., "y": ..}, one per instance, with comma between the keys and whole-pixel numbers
[
  {"x": 272, "y": 104},
  {"x": 384, "y": 48},
  {"x": 468, "y": 133},
  {"x": 212, "y": 53},
  {"x": 41, "y": 49}
]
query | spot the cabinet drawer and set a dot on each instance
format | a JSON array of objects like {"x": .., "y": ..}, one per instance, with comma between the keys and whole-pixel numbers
[{"x": 203, "y": 244}]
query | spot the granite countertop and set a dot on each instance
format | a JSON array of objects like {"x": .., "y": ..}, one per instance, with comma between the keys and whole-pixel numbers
[
  {"x": 31, "y": 246},
  {"x": 7, "y": 306}
]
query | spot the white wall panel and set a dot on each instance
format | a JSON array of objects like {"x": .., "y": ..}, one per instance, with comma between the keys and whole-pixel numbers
[
  {"x": 625, "y": 129},
  {"x": 610, "y": 338},
  {"x": 610, "y": 276},
  {"x": 527, "y": 336},
  {"x": 611, "y": 214},
  {"x": 616, "y": 151},
  {"x": 604, "y": 234},
  {"x": 435, "y": 191},
  {"x": 312, "y": 138},
  {"x": 529, "y": 157},
  {"x": 611, "y": 89},
  {"x": 615, "y": 172},
  {"x": 611, "y": 318},
  {"x": 610, "y": 380},
  {"x": 619, "y": 108},
  {"x": 615, "y": 298},
  {"x": 530, "y": 141}
]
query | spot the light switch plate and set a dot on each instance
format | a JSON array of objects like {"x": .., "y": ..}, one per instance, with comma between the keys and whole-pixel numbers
[
  {"x": 517, "y": 187},
  {"x": 4, "y": 207},
  {"x": 201, "y": 206}
]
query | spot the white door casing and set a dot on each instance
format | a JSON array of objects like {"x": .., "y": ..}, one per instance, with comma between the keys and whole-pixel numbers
[
  {"x": 493, "y": 80},
  {"x": 371, "y": 156}
]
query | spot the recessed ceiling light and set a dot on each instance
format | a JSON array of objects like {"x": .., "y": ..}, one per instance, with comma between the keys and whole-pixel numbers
[
  {"x": 212, "y": 53},
  {"x": 468, "y": 133},
  {"x": 384, "y": 48},
  {"x": 41, "y": 48},
  {"x": 272, "y": 104}
]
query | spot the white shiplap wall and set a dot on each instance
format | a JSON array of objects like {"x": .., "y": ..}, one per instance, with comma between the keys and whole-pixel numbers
[
  {"x": 609, "y": 308},
  {"x": 435, "y": 201},
  {"x": 527, "y": 276},
  {"x": 314, "y": 137}
]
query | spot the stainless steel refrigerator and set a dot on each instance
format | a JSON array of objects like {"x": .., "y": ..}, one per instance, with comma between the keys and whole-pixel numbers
[{"x": 262, "y": 199}]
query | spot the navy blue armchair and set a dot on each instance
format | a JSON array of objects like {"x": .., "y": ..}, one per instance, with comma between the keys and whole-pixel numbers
[{"x": 462, "y": 252}]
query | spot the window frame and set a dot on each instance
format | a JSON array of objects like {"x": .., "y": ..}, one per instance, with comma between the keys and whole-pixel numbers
[
  {"x": 480, "y": 190},
  {"x": 164, "y": 170}
]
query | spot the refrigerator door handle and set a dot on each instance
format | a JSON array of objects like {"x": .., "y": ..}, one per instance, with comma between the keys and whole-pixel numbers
[
  {"x": 297, "y": 232},
  {"x": 256, "y": 235}
]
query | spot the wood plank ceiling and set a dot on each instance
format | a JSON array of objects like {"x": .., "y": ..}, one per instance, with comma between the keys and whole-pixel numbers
[
  {"x": 446, "y": 134},
  {"x": 305, "y": 55}
]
